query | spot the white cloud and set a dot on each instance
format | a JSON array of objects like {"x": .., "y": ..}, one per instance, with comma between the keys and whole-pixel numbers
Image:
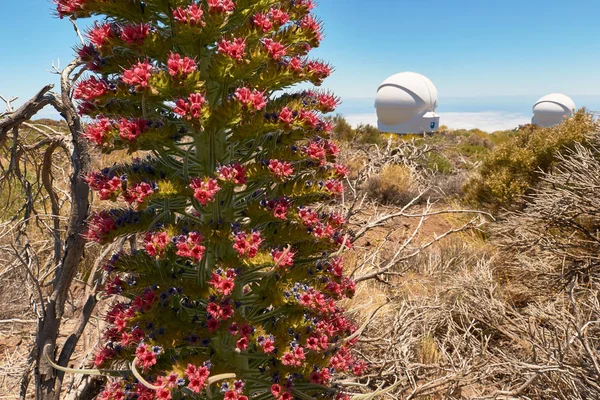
[
  {"x": 488, "y": 121},
  {"x": 357, "y": 119}
]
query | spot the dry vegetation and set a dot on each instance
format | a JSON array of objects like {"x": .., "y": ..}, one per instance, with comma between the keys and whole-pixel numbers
[{"x": 454, "y": 303}]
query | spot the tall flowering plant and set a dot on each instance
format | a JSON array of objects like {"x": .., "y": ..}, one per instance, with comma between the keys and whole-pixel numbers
[{"x": 234, "y": 293}]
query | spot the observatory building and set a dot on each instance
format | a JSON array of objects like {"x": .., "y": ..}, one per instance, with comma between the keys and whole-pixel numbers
[
  {"x": 406, "y": 103},
  {"x": 551, "y": 110}
]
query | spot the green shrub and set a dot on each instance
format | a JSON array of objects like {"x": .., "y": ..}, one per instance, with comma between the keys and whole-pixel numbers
[
  {"x": 368, "y": 134},
  {"x": 342, "y": 130},
  {"x": 514, "y": 167},
  {"x": 438, "y": 162}
]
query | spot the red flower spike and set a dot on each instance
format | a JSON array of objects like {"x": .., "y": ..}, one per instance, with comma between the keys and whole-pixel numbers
[{"x": 258, "y": 165}]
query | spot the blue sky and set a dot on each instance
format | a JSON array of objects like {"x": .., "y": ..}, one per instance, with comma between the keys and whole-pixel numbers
[{"x": 468, "y": 48}]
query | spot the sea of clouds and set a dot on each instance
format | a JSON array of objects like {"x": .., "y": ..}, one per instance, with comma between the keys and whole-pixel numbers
[{"x": 489, "y": 121}]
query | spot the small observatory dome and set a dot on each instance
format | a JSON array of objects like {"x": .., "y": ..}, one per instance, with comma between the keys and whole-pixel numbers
[
  {"x": 551, "y": 110},
  {"x": 406, "y": 103}
]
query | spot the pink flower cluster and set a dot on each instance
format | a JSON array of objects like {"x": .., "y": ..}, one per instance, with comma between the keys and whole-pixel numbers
[
  {"x": 263, "y": 22},
  {"x": 68, "y": 7},
  {"x": 281, "y": 169},
  {"x": 322, "y": 228},
  {"x": 275, "y": 49},
  {"x": 169, "y": 381},
  {"x": 114, "y": 391},
  {"x": 317, "y": 342},
  {"x": 180, "y": 67},
  {"x": 295, "y": 64},
  {"x": 310, "y": 119},
  {"x": 247, "y": 245},
  {"x": 334, "y": 187},
  {"x": 234, "y": 173},
  {"x": 341, "y": 170},
  {"x": 135, "y": 34},
  {"x": 310, "y": 23},
  {"x": 318, "y": 69},
  {"x": 136, "y": 336},
  {"x": 275, "y": 18},
  {"x": 294, "y": 358},
  {"x": 234, "y": 48},
  {"x": 144, "y": 303},
  {"x": 343, "y": 360},
  {"x": 279, "y": 16},
  {"x": 190, "y": 246},
  {"x": 131, "y": 129},
  {"x": 138, "y": 193},
  {"x": 286, "y": 116},
  {"x": 107, "y": 188},
  {"x": 221, "y": 6},
  {"x": 345, "y": 289},
  {"x": 197, "y": 377},
  {"x": 234, "y": 395},
  {"x": 317, "y": 301},
  {"x": 323, "y": 231},
  {"x": 243, "y": 334},
  {"x": 205, "y": 189},
  {"x": 267, "y": 344},
  {"x": 327, "y": 102},
  {"x": 163, "y": 393},
  {"x": 218, "y": 313},
  {"x": 97, "y": 131},
  {"x": 138, "y": 75},
  {"x": 155, "y": 243},
  {"x": 192, "y": 15},
  {"x": 103, "y": 356},
  {"x": 279, "y": 394},
  {"x": 319, "y": 150},
  {"x": 309, "y": 217},
  {"x": 252, "y": 99},
  {"x": 90, "y": 89},
  {"x": 308, "y": 4},
  {"x": 283, "y": 258},
  {"x": 190, "y": 108},
  {"x": 99, "y": 226},
  {"x": 223, "y": 283},
  {"x": 99, "y": 35},
  {"x": 146, "y": 358},
  {"x": 321, "y": 377},
  {"x": 119, "y": 315},
  {"x": 279, "y": 207}
]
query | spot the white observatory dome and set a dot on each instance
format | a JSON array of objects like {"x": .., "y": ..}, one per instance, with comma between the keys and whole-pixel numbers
[
  {"x": 406, "y": 103},
  {"x": 551, "y": 110}
]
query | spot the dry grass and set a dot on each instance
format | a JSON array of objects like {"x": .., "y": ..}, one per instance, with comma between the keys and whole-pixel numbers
[{"x": 393, "y": 185}]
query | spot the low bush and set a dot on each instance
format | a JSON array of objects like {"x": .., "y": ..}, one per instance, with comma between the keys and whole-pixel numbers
[
  {"x": 393, "y": 185},
  {"x": 438, "y": 162},
  {"x": 515, "y": 166}
]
